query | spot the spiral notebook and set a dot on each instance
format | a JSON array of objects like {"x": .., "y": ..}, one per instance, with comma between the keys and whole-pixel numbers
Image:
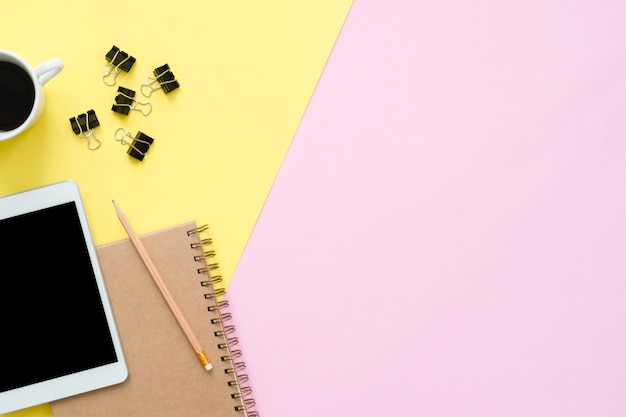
[{"x": 165, "y": 377}]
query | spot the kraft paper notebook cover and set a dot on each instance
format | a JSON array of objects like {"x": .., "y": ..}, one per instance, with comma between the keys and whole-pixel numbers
[{"x": 165, "y": 377}]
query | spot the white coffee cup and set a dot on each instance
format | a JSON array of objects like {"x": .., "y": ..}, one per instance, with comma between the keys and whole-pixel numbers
[{"x": 22, "y": 98}]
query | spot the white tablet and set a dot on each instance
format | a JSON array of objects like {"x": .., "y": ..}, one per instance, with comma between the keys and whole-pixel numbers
[{"x": 57, "y": 333}]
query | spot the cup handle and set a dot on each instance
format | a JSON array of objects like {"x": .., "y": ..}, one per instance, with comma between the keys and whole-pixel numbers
[{"x": 48, "y": 69}]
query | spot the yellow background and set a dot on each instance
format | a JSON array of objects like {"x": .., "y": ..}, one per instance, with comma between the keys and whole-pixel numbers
[{"x": 246, "y": 71}]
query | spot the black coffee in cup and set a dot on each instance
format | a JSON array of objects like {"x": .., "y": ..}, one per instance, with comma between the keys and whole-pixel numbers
[{"x": 17, "y": 95}]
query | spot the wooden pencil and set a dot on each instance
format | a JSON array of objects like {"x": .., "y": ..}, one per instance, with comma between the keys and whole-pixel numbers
[{"x": 156, "y": 276}]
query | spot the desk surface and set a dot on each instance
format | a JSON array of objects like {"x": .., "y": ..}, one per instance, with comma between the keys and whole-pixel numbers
[
  {"x": 246, "y": 72},
  {"x": 462, "y": 253}
]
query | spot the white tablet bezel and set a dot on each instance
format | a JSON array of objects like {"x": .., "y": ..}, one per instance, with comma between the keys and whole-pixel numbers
[{"x": 80, "y": 382}]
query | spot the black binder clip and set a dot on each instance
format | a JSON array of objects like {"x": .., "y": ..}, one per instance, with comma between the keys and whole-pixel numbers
[
  {"x": 125, "y": 102},
  {"x": 83, "y": 126},
  {"x": 139, "y": 146},
  {"x": 118, "y": 60},
  {"x": 163, "y": 78}
]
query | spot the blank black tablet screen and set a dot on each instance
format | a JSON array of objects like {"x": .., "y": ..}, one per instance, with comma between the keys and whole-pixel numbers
[{"x": 52, "y": 321}]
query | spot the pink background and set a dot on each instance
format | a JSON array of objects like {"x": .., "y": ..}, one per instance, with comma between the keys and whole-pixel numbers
[{"x": 447, "y": 235}]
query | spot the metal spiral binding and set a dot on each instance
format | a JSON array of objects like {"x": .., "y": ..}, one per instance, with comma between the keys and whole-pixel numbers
[
  {"x": 234, "y": 354},
  {"x": 217, "y": 279},
  {"x": 209, "y": 267},
  {"x": 219, "y": 306},
  {"x": 223, "y": 318},
  {"x": 231, "y": 341},
  {"x": 219, "y": 292},
  {"x": 226, "y": 331},
  {"x": 243, "y": 392},
  {"x": 243, "y": 379}
]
